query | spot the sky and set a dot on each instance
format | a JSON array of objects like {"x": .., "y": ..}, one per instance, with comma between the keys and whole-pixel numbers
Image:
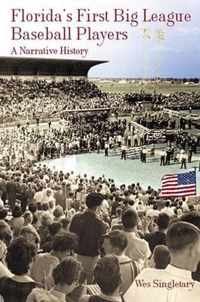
[{"x": 148, "y": 49}]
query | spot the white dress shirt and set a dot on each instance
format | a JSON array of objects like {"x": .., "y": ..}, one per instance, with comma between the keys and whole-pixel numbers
[
  {"x": 137, "y": 249},
  {"x": 169, "y": 285}
]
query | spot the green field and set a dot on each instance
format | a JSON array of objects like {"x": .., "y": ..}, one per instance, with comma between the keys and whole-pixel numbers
[{"x": 122, "y": 86}]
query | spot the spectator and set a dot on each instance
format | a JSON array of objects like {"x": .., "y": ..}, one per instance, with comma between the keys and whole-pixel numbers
[
  {"x": 19, "y": 257},
  {"x": 4, "y": 271},
  {"x": 161, "y": 257},
  {"x": 58, "y": 213},
  {"x": 89, "y": 229},
  {"x": 64, "y": 245},
  {"x": 115, "y": 243},
  {"x": 66, "y": 277},
  {"x": 3, "y": 213},
  {"x": 158, "y": 237},
  {"x": 193, "y": 218},
  {"x": 108, "y": 277},
  {"x": 183, "y": 241},
  {"x": 137, "y": 249},
  {"x": 17, "y": 221},
  {"x": 6, "y": 233},
  {"x": 30, "y": 234}
]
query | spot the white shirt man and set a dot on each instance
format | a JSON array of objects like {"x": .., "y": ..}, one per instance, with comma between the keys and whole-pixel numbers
[
  {"x": 137, "y": 249},
  {"x": 175, "y": 283},
  {"x": 172, "y": 284}
]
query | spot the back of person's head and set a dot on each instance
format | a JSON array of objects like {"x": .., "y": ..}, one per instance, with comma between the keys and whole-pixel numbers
[
  {"x": 180, "y": 235},
  {"x": 129, "y": 218},
  {"x": 131, "y": 202},
  {"x": 163, "y": 221},
  {"x": 94, "y": 200},
  {"x": 64, "y": 223},
  {"x": 119, "y": 211},
  {"x": 46, "y": 219},
  {"x": 167, "y": 204},
  {"x": 32, "y": 208},
  {"x": 3, "y": 213},
  {"x": 54, "y": 228},
  {"x": 19, "y": 255},
  {"x": 192, "y": 217},
  {"x": 67, "y": 272},
  {"x": 17, "y": 212},
  {"x": 126, "y": 193},
  {"x": 58, "y": 212},
  {"x": 48, "y": 192},
  {"x": 5, "y": 232},
  {"x": 161, "y": 256},
  {"x": 155, "y": 207},
  {"x": 45, "y": 207},
  {"x": 30, "y": 233},
  {"x": 64, "y": 241},
  {"x": 191, "y": 207},
  {"x": 107, "y": 274},
  {"x": 28, "y": 217},
  {"x": 117, "y": 239},
  {"x": 39, "y": 206}
]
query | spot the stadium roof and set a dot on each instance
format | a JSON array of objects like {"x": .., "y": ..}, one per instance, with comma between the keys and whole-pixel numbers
[{"x": 45, "y": 66}]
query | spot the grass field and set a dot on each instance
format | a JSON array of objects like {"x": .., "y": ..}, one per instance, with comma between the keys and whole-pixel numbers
[{"x": 123, "y": 86}]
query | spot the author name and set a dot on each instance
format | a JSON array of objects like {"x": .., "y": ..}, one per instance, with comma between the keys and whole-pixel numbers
[{"x": 156, "y": 283}]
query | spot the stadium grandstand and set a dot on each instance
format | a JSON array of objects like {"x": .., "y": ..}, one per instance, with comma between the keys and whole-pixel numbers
[{"x": 29, "y": 66}]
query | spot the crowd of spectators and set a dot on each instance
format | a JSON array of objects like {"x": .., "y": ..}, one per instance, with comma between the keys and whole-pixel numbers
[
  {"x": 176, "y": 101},
  {"x": 159, "y": 121},
  {"x": 29, "y": 100},
  {"x": 80, "y": 133},
  {"x": 67, "y": 237},
  {"x": 38, "y": 99},
  {"x": 156, "y": 120}
]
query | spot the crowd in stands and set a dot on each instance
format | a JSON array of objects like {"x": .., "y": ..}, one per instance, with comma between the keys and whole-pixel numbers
[
  {"x": 67, "y": 237},
  {"x": 159, "y": 121},
  {"x": 176, "y": 101},
  {"x": 34, "y": 100},
  {"x": 183, "y": 100},
  {"x": 156, "y": 121},
  {"x": 39, "y": 99}
]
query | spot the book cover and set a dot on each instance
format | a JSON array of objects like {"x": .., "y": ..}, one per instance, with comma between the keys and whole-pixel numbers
[{"x": 107, "y": 91}]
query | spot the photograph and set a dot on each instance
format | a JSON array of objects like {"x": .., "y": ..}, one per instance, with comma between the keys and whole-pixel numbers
[{"x": 100, "y": 151}]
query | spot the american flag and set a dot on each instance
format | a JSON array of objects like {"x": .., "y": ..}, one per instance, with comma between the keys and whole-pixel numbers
[{"x": 179, "y": 184}]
